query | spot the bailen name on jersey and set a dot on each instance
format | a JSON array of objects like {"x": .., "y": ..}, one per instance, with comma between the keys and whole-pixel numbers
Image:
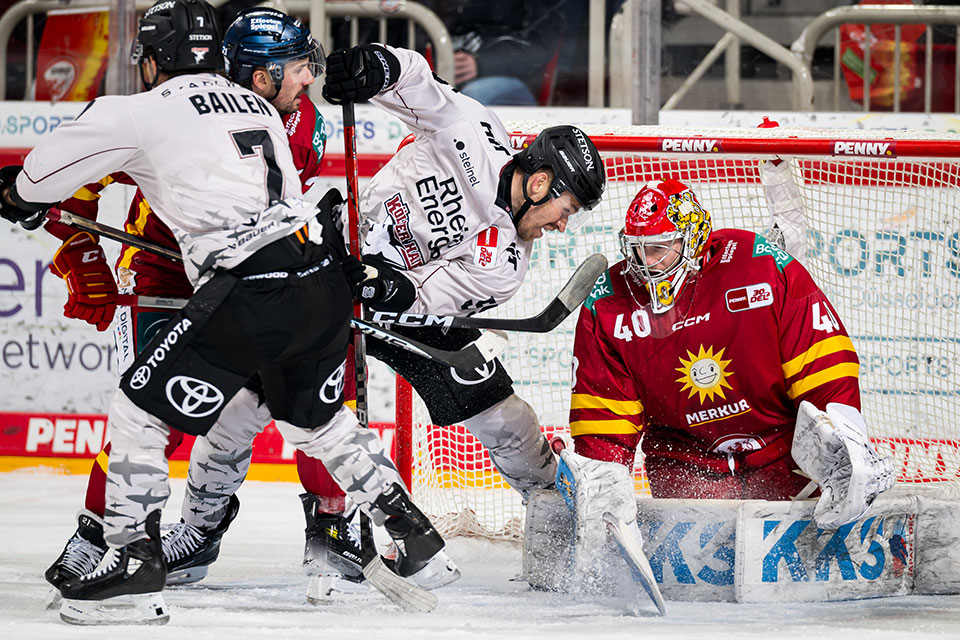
[{"x": 224, "y": 102}]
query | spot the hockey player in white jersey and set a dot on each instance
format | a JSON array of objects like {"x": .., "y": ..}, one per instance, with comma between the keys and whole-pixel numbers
[
  {"x": 449, "y": 225},
  {"x": 271, "y": 298}
]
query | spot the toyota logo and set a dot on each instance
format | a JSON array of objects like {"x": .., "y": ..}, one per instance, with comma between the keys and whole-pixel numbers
[
  {"x": 140, "y": 378},
  {"x": 193, "y": 398},
  {"x": 484, "y": 371},
  {"x": 332, "y": 389}
]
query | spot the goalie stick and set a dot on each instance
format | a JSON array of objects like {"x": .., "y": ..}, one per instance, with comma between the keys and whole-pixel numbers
[
  {"x": 632, "y": 553},
  {"x": 570, "y": 297},
  {"x": 488, "y": 346}
]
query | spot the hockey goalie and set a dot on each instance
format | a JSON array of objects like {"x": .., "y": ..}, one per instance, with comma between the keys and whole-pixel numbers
[{"x": 716, "y": 353}]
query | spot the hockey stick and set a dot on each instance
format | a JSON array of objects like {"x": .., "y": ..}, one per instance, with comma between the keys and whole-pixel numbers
[
  {"x": 628, "y": 542},
  {"x": 482, "y": 350},
  {"x": 395, "y": 588},
  {"x": 114, "y": 234},
  {"x": 570, "y": 297}
]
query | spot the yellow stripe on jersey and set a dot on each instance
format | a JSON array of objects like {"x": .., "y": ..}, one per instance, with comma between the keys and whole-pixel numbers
[
  {"x": 619, "y": 407},
  {"x": 87, "y": 195},
  {"x": 600, "y": 427},
  {"x": 842, "y": 370},
  {"x": 136, "y": 228},
  {"x": 102, "y": 459},
  {"x": 822, "y": 348}
]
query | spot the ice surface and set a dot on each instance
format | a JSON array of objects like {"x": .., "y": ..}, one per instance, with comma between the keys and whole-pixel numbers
[{"x": 256, "y": 590}]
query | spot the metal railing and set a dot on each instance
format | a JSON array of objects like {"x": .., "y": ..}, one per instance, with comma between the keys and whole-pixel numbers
[
  {"x": 729, "y": 44},
  {"x": 318, "y": 12},
  {"x": 803, "y": 47}
]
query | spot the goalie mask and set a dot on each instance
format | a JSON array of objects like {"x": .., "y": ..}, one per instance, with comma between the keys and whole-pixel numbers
[{"x": 663, "y": 238}]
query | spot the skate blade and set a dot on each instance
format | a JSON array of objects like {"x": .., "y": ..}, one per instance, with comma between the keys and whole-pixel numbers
[
  {"x": 326, "y": 589},
  {"x": 146, "y": 608},
  {"x": 53, "y": 599},
  {"x": 440, "y": 571},
  {"x": 186, "y": 576}
]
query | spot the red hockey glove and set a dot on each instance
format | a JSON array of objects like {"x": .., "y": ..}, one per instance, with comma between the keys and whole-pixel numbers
[{"x": 92, "y": 289}]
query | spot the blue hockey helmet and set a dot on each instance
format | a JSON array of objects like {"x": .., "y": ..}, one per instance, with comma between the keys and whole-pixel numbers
[{"x": 268, "y": 39}]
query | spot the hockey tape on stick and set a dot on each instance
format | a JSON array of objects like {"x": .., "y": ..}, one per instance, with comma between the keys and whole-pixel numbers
[{"x": 569, "y": 298}]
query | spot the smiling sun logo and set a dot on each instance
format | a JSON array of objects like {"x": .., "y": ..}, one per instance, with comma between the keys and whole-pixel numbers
[{"x": 705, "y": 373}]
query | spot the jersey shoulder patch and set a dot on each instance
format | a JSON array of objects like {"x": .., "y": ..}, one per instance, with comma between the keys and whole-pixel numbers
[
  {"x": 763, "y": 247},
  {"x": 319, "y": 139},
  {"x": 602, "y": 288}
]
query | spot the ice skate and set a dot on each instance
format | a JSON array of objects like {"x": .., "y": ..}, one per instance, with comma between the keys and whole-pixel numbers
[
  {"x": 126, "y": 587},
  {"x": 419, "y": 553},
  {"x": 332, "y": 553},
  {"x": 81, "y": 555},
  {"x": 189, "y": 551}
]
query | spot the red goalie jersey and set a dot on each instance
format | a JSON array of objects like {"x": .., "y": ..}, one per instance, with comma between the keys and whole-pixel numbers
[{"x": 712, "y": 385}]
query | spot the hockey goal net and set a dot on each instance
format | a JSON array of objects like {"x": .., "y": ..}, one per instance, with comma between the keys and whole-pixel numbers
[{"x": 879, "y": 230}]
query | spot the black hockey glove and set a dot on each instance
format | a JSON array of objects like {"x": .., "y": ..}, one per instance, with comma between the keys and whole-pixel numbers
[
  {"x": 355, "y": 272},
  {"x": 386, "y": 289},
  {"x": 28, "y": 219},
  {"x": 359, "y": 73},
  {"x": 329, "y": 216}
]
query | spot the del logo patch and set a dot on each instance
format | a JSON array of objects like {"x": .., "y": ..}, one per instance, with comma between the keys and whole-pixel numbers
[
  {"x": 485, "y": 253},
  {"x": 749, "y": 297}
]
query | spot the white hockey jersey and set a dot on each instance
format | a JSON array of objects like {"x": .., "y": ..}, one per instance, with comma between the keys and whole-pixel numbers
[
  {"x": 209, "y": 155},
  {"x": 432, "y": 210}
]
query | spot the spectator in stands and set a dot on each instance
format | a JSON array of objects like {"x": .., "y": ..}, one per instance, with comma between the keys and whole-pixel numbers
[{"x": 502, "y": 49}]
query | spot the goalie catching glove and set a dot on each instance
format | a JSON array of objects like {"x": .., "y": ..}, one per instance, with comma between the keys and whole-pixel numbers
[
  {"x": 832, "y": 448},
  {"x": 92, "y": 290}
]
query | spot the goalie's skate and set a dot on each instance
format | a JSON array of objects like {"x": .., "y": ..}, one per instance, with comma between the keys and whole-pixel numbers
[
  {"x": 189, "y": 551},
  {"x": 126, "y": 587},
  {"x": 332, "y": 554}
]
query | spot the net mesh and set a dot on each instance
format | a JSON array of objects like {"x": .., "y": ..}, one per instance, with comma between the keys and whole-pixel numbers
[{"x": 882, "y": 239}]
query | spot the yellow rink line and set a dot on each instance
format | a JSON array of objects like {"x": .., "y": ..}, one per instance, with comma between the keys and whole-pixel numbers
[
  {"x": 271, "y": 472},
  {"x": 265, "y": 471}
]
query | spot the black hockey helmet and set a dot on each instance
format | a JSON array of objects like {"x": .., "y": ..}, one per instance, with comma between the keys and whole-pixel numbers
[
  {"x": 181, "y": 35},
  {"x": 576, "y": 164},
  {"x": 268, "y": 39}
]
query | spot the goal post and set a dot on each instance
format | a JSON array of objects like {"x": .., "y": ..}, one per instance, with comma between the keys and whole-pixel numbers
[{"x": 873, "y": 215}]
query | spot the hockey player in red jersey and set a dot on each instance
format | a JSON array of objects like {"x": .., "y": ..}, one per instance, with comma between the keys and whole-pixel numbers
[
  {"x": 717, "y": 354},
  {"x": 280, "y": 73}
]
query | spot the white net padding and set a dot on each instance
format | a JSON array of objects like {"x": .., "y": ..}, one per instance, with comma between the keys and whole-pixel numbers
[{"x": 881, "y": 235}]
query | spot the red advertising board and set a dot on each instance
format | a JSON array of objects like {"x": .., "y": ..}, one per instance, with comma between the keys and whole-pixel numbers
[{"x": 69, "y": 442}]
